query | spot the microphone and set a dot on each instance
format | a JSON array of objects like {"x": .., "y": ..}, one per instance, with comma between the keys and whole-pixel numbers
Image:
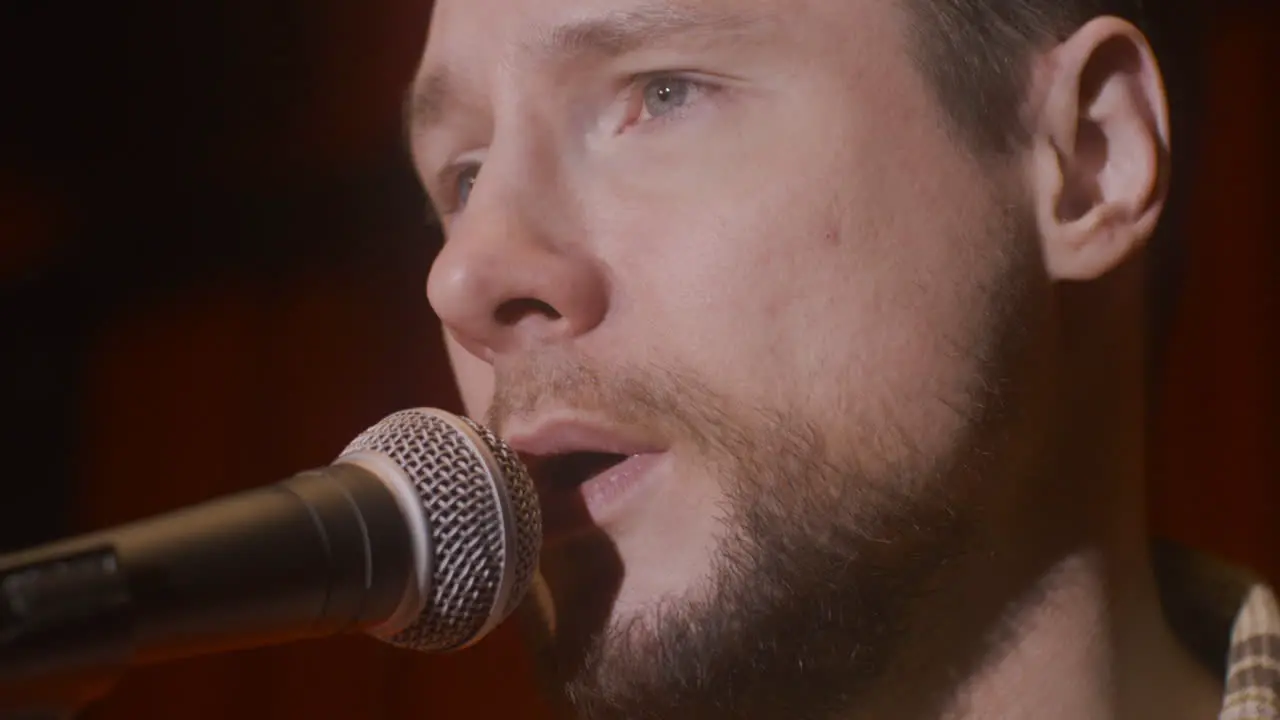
[{"x": 425, "y": 533}]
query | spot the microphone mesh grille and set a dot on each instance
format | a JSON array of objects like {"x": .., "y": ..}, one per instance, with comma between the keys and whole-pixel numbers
[
  {"x": 466, "y": 521},
  {"x": 524, "y": 506}
]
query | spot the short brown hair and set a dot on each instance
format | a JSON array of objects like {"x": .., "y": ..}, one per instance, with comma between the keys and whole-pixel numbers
[{"x": 976, "y": 54}]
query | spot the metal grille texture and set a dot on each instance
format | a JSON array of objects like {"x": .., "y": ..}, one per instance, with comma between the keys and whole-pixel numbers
[
  {"x": 524, "y": 506},
  {"x": 466, "y": 521}
]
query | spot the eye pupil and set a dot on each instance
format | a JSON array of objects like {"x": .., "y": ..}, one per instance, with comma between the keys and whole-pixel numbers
[
  {"x": 663, "y": 95},
  {"x": 466, "y": 181}
]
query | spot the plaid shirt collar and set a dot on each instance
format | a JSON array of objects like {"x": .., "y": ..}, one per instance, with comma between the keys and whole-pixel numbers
[
  {"x": 1227, "y": 619},
  {"x": 1253, "y": 661}
]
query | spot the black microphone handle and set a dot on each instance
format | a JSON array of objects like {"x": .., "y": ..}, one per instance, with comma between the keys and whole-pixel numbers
[{"x": 324, "y": 552}]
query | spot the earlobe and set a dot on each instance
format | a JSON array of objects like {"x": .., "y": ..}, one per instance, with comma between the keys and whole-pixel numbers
[{"x": 1100, "y": 149}]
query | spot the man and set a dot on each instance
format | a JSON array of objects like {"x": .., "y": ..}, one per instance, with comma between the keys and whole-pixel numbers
[{"x": 820, "y": 324}]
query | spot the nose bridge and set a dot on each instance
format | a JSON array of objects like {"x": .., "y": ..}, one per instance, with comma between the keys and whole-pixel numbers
[
  {"x": 515, "y": 270},
  {"x": 521, "y": 183}
]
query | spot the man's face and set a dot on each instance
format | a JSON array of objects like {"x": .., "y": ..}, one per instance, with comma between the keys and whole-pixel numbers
[{"x": 735, "y": 242}]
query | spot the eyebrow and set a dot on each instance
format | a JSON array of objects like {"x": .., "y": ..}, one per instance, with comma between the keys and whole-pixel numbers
[{"x": 609, "y": 36}]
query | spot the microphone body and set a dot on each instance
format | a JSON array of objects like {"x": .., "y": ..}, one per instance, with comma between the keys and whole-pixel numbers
[
  {"x": 424, "y": 533},
  {"x": 324, "y": 552}
]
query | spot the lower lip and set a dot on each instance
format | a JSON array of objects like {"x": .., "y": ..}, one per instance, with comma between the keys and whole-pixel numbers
[
  {"x": 603, "y": 497},
  {"x": 611, "y": 488}
]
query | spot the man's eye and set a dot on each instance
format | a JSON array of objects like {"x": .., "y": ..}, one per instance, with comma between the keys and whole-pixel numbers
[
  {"x": 663, "y": 95},
  {"x": 464, "y": 181}
]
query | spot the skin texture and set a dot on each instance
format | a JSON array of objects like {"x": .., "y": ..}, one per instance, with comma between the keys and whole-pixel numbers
[{"x": 893, "y": 387}]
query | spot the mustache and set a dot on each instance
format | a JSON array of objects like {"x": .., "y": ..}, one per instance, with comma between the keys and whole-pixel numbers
[{"x": 659, "y": 398}]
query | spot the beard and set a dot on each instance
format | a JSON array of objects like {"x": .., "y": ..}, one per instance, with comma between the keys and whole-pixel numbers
[
  {"x": 811, "y": 593},
  {"x": 827, "y": 559}
]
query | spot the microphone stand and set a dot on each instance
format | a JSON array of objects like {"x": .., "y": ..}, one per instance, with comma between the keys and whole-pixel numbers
[{"x": 65, "y": 632}]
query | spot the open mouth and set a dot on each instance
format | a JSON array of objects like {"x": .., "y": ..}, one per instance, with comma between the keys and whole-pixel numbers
[{"x": 569, "y": 470}]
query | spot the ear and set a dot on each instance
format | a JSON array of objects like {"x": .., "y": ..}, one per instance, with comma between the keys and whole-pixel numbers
[{"x": 1100, "y": 149}]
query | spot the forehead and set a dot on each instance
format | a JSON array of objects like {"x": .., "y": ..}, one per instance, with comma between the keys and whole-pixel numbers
[
  {"x": 467, "y": 36},
  {"x": 458, "y": 25},
  {"x": 472, "y": 42}
]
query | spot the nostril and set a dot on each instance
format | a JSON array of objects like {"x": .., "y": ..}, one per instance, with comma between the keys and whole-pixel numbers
[{"x": 511, "y": 312}]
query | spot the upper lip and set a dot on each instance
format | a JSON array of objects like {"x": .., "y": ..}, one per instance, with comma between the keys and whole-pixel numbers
[
  {"x": 552, "y": 436},
  {"x": 546, "y": 444}
]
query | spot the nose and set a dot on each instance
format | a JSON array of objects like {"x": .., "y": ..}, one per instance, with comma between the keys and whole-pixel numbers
[{"x": 509, "y": 278}]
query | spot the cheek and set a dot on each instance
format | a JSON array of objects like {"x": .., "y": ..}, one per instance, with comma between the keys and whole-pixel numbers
[
  {"x": 822, "y": 269},
  {"x": 751, "y": 262},
  {"x": 726, "y": 264}
]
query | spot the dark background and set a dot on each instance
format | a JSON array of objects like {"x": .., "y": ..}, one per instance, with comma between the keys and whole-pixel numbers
[{"x": 212, "y": 255}]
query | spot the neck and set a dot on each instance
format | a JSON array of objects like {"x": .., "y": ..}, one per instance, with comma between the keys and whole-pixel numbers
[
  {"x": 1092, "y": 645},
  {"x": 1080, "y": 634}
]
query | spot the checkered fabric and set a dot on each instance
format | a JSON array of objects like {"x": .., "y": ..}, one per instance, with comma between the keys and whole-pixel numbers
[{"x": 1253, "y": 662}]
